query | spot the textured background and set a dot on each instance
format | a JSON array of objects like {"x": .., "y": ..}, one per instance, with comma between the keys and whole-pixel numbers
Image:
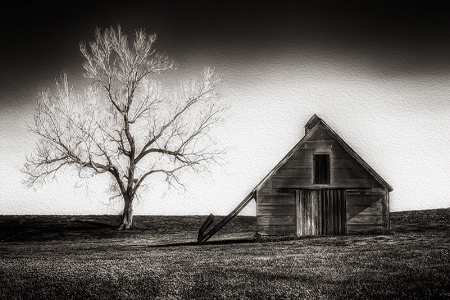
[{"x": 377, "y": 74}]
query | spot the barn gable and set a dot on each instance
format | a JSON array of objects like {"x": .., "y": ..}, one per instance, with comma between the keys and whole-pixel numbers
[
  {"x": 294, "y": 199},
  {"x": 320, "y": 138}
]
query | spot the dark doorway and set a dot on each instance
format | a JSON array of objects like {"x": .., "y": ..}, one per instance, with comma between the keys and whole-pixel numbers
[{"x": 321, "y": 169}]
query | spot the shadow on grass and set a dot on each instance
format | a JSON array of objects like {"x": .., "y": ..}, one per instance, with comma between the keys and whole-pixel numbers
[
  {"x": 95, "y": 224},
  {"x": 219, "y": 242}
]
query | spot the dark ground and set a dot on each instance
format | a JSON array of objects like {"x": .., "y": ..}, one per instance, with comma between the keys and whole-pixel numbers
[
  {"x": 78, "y": 228},
  {"x": 85, "y": 257}
]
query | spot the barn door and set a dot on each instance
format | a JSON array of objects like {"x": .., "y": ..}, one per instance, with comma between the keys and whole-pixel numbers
[{"x": 321, "y": 212}]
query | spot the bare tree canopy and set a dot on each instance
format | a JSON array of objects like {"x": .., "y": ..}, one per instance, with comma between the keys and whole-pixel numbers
[{"x": 125, "y": 124}]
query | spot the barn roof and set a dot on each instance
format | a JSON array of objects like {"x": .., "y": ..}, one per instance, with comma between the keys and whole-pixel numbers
[{"x": 310, "y": 127}]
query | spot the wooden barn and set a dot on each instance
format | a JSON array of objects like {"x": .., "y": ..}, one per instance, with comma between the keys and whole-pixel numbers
[{"x": 321, "y": 187}]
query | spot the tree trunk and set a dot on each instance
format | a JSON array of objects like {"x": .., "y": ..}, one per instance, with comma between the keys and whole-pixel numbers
[{"x": 127, "y": 216}]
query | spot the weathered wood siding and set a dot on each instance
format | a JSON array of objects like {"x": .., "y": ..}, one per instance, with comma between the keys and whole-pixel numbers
[
  {"x": 367, "y": 210},
  {"x": 345, "y": 171},
  {"x": 275, "y": 211}
]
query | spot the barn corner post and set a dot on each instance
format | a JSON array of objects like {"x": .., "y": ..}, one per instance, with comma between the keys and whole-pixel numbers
[{"x": 388, "y": 210}]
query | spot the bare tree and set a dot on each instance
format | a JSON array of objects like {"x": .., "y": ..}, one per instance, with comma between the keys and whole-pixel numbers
[{"x": 124, "y": 124}]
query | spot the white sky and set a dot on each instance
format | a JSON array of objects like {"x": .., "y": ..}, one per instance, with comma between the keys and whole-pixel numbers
[{"x": 398, "y": 124}]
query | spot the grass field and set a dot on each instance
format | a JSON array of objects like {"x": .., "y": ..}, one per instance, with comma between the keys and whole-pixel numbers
[{"x": 84, "y": 257}]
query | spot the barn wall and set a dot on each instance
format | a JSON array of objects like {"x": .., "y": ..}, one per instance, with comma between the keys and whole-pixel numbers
[
  {"x": 275, "y": 211},
  {"x": 367, "y": 210},
  {"x": 345, "y": 171}
]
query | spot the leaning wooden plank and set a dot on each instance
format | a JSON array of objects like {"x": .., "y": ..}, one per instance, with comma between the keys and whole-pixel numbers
[
  {"x": 227, "y": 219},
  {"x": 205, "y": 226}
]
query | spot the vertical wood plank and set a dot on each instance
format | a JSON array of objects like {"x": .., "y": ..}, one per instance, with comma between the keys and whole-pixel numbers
[
  {"x": 314, "y": 200},
  {"x": 341, "y": 213},
  {"x": 311, "y": 195},
  {"x": 300, "y": 212},
  {"x": 314, "y": 211},
  {"x": 297, "y": 204},
  {"x": 327, "y": 210},
  {"x": 330, "y": 214},
  {"x": 338, "y": 211},
  {"x": 308, "y": 214},
  {"x": 333, "y": 210},
  {"x": 304, "y": 213},
  {"x": 344, "y": 208},
  {"x": 344, "y": 212},
  {"x": 339, "y": 194},
  {"x": 324, "y": 214},
  {"x": 339, "y": 207},
  {"x": 319, "y": 213}
]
